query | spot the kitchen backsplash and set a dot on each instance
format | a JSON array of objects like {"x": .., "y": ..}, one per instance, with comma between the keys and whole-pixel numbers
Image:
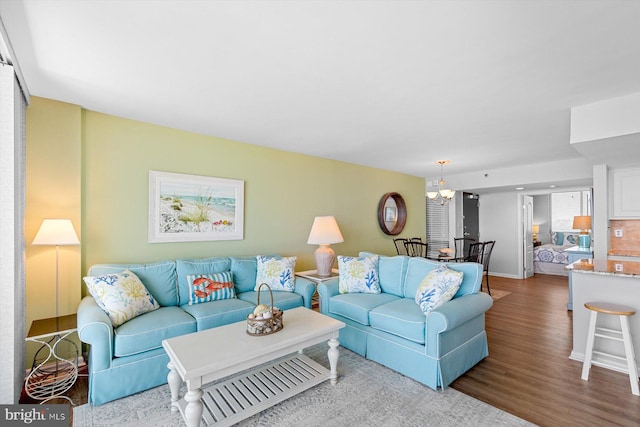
[{"x": 629, "y": 243}]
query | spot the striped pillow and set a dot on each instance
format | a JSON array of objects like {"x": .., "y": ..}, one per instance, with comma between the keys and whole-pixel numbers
[{"x": 210, "y": 287}]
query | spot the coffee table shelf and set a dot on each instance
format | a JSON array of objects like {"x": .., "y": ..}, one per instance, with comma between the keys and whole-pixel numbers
[{"x": 231, "y": 401}]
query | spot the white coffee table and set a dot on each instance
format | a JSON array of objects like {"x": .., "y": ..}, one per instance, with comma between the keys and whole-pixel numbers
[{"x": 206, "y": 356}]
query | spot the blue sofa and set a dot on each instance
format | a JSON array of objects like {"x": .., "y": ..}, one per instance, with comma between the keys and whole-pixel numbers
[
  {"x": 389, "y": 327},
  {"x": 128, "y": 359}
]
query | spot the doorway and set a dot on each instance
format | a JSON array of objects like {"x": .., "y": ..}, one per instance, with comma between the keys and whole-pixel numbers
[
  {"x": 527, "y": 236},
  {"x": 470, "y": 218}
]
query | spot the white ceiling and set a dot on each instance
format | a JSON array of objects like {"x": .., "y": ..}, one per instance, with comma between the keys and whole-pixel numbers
[{"x": 395, "y": 85}]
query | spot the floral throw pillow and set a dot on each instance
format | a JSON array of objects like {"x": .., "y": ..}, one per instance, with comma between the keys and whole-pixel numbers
[
  {"x": 277, "y": 272},
  {"x": 358, "y": 274},
  {"x": 210, "y": 287},
  {"x": 438, "y": 287},
  {"x": 122, "y": 296}
]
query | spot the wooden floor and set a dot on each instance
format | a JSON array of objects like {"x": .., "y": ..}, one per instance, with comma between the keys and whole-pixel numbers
[{"x": 528, "y": 372}]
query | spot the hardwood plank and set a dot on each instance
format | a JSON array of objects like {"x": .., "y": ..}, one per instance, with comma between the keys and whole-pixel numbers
[{"x": 528, "y": 372}]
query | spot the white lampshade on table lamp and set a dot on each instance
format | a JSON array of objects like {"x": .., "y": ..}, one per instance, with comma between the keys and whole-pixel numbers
[
  {"x": 56, "y": 232},
  {"x": 324, "y": 232}
]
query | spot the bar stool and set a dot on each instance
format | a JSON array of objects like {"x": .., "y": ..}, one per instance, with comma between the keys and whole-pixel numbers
[{"x": 624, "y": 335}]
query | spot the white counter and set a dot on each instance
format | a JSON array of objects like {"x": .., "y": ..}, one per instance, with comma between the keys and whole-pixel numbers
[{"x": 607, "y": 281}]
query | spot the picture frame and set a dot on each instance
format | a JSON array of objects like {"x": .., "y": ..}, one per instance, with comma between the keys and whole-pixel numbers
[
  {"x": 192, "y": 208},
  {"x": 390, "y": 214}
]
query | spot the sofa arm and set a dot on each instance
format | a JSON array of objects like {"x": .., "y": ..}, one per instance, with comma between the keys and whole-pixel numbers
[
  {"x": 306, "y": 288},
  {"x": 452, "y": 314},
  {"x": 95, "y": 329},
  {"x": 326, "y": 290}
]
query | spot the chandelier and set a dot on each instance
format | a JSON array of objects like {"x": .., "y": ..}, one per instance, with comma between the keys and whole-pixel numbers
[{"x": 443, "y": 194}]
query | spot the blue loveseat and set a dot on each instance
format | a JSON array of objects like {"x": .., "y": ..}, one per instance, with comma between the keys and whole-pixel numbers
[
  {"x": 128, "y": 359},
  {"x": 389, "y": 327}
]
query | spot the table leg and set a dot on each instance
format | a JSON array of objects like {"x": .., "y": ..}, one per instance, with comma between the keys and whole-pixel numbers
[
  {"x": 174, "y": 381},
  {"x": 193, "y": 411},
  {"x": 333, "y": 354}
]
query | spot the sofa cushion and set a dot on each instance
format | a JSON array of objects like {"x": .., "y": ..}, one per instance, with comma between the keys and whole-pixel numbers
[
  {"x": 391, "y": 271},
  {"x": 277, "y": 272},
  {"x": 122, "y": 296},
  {"x": 244, "y": 271},
  {"x": 356, "y": 306},
  {"x": 185, "y": 267},
  {"x": 401, "y": 317},
  {"x": 159, "y": 278},
  {"x": 438, "y": 287},
  {"x": 358, "y": 274},
  {"x": 210, "y": 287},
  {"x": 417, "y": 269},
  {"x": 281, "y": 299},
  {"x": 471, "y": 279},
  {"x": 146, "y": 332},
  {"x": 217, "y": 313}
]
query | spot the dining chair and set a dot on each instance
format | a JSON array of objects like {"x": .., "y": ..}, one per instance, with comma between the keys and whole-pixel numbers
[
  {"x": 475, "y": 252},
  {"x": 459, "y": 244},
  {"x": 417, "y": 249},
  {"x": 400, "y": 244},
  {"x": 486, "y": 257}
]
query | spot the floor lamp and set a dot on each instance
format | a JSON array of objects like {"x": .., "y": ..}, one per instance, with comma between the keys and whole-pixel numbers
[{"x": 56, "y": 232}]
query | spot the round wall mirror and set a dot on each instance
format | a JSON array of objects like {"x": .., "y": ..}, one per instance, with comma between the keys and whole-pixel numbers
[{"x": 392, "y": 214}]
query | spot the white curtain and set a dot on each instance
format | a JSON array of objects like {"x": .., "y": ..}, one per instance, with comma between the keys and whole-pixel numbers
[{"x": 13, "y": 103}]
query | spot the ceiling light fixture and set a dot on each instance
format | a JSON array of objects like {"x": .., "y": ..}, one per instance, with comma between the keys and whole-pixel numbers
[{"x": 444, "y": 194}]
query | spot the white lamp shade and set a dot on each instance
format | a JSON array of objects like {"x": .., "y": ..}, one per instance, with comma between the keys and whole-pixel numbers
[
  {"x": 56, "y": 232},
  {"x": 325, "y": 231}
]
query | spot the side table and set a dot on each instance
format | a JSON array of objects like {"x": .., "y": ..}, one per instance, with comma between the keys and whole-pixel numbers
[
  {"x": 52, "y": 374},
  {"x": 313, "y": 276}
]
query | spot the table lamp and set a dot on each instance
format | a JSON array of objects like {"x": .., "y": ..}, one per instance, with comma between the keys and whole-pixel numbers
[
  {"x": 583, "y": 223},
  {"x": 536, "y": 230},
  {"x": 56, "y": 232},
  {"x": 324, "y": 231}
]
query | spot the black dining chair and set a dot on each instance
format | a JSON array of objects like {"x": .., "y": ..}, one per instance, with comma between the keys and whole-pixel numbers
[
  {"x": 475, "y": 252},
  {"x": 417, "y": 249},
  {"x": 400, "y": 245},
  {"x": 486, "y": 257},
  {"x": 459, "y": 244}
]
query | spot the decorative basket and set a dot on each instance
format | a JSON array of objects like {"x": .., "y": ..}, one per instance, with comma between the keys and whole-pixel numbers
[{"x": 262, "y": 326}]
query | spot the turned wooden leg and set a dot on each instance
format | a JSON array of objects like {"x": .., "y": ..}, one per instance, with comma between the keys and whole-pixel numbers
[
  {"x": 333, "y": 354},
  {"x": 174, "y": 381},
  {"x": 193, "y": 411}
]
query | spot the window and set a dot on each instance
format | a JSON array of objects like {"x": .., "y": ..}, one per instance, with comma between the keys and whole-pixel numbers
[
  {"x": 564, "y": 206},
  {"x": 437, "y": 226}
]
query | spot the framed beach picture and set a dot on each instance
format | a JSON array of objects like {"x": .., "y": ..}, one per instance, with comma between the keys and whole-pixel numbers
[
  {"x": 390, "y": 214},
  {"x": 190, "y": 208}
]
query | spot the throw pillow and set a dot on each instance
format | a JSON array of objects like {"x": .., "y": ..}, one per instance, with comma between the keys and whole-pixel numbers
[
  {"x": 358, "y": 274},
  {"x": 122, "y": 296},
  {"x": 277, "y": 272},
  {"x": 210, "y": 287},
  {"x": 557, "y": 238},
  {"x": 438, "y": 287}
]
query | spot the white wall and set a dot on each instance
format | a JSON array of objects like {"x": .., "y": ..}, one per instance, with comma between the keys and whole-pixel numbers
[{"x": 500, "y": 220}]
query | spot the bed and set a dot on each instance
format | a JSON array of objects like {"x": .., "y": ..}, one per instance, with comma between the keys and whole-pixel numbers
[{"x": 551, "y": 258}]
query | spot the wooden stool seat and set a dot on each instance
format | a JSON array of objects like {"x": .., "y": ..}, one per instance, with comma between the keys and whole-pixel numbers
[
  {"x": 624, "y": 334},
  {"x": 609, "y": 308}
]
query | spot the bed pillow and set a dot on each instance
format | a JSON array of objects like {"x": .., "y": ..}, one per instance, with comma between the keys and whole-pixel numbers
[
  {"x": 358, "y": 274},
  {"x": 210, "y": 287},
  {"x": 557, "y": 237},
  {"x": 438, "y": 287},
  {"x": 122, "y": 296},
  {"x": 570, "y": 239},
  {"x": 277, "y": 272}
]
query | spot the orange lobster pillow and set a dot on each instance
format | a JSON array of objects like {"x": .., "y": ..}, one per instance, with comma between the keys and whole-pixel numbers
[{"x": 210, "y": 287}]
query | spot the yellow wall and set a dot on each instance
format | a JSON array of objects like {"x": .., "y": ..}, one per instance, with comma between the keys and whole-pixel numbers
[{"x": 94, "y": 169}]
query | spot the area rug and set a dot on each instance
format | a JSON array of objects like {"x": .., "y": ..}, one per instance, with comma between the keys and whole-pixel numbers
[
  {"x": 496, "y": 294},
  {"x": 367, "y": 394}
]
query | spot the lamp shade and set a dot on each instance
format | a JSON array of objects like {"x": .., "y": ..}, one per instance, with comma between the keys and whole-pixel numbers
[
  {"x": 324, "y": 231},
  {"x": 56, "y": 232},
  {"x": 536, "y": 228},
  {"x": 582, "y": 223}
]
